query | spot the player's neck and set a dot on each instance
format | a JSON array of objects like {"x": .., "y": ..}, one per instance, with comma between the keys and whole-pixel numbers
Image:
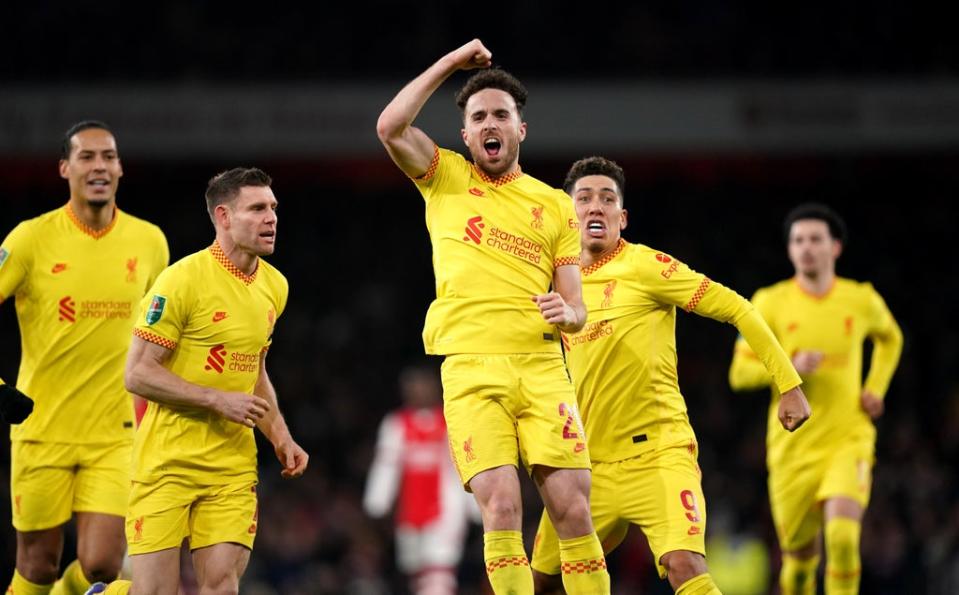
[
  {"x": 245, "y": 261},
  {"x": 94, "y": 216},
  {"x": 587, "y": 257},
  {"x": 817, "y": 284}
]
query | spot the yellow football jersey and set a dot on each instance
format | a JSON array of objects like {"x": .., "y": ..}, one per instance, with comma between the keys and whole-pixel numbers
[
  {"x": 495, "y": 244},
  {"x": 623, "y": 361},
  {"x": 835, "y": 324},
  {"x": 76, "y": 292},
  {"x": 218, "y": 322}
]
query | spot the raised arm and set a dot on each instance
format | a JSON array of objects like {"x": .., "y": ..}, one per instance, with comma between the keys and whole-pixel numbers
[
  {"x": 409, "y": 147},
  {"x": 146, "y": 375},
  {"x": 293, "y": 458}
]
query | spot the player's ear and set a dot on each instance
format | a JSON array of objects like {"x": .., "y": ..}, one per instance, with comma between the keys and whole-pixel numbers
[
  {"x": 623, "y": 219},
  {"x": 221, "y": 215},
  {"x": 463, "y": 134},
  {"x": 522, "y": 131},
  {"x": 836, "y": 248},
  {"x": 63, "y": 169}
]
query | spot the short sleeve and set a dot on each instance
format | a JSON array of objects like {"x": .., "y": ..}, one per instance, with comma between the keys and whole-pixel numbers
[
  {"x": 568, "y": 243},
  {"x": 16, "y": 259},
  {"x": 164, "y": 310}
]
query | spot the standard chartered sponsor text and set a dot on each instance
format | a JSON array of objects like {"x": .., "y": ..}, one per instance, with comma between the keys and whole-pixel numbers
[
  {"x": 105, "y": 309},
  {"x": 593, "y": 331},
  {"x": 244, "y": 362},
  {"x": 517, "y": 246}
]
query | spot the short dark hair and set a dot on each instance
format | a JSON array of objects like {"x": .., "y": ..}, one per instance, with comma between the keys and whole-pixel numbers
[
  {"x": 819, "y": 211},
  {"x": 67, "y": 145},
  {"x": 492, "y": 78},
  {"x": 595, "y": 166},
  {"x": 225, "y": 186}
]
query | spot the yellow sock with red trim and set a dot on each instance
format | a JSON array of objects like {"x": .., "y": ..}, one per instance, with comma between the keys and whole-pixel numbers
[
  {"x": 699, "y": 585},
  {"x": 21, "y": 586},
  {"x": 798, "y": 575},
  {"x": 118, "y": 588},
  {"x": 842, "y": 556},
  {"x": 72, "y": 581},
  {"x": 506, "y": 564},
  {"x": 583, "y": 566}
]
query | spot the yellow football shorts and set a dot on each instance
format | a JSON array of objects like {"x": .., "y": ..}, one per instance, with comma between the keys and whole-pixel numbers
[
  {"x": 49, "y": 481},
  {"x": 163, "y": 513},
  {"x": 499, "y": 408},
  {"x": 796, "y": 492},
  {"x": 659, "y": 491}
]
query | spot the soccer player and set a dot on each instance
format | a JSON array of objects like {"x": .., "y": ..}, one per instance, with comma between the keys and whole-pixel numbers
[
  {"x": 820, "y": 478},
  {"x": 623, "y": 362},
  {"x": 199, "y": 356},
  {"x": 500, "y": 239},
  {"x": 76, "y": 274},
  {"x": 412, "y": 468}
]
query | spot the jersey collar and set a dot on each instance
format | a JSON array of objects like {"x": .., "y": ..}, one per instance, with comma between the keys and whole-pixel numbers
[
  {"x": 589, "y": 270},
  {"x": 96, "y": 234},
  {"x": 220, "y": 256},
  {"x": 500, "y": 181}
]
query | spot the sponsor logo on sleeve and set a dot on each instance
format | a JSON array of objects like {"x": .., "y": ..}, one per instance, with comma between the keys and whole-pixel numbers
[{"x": 155, "y": 311}]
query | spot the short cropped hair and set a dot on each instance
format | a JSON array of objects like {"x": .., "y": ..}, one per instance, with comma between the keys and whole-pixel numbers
[
  {"x": 492, "y": 78},
  {"x": 595, "y": 166},
  {"x": 818, "y": 211},
  {"x": 225, "y": 186},
  {"x": 67, "y": 145}
]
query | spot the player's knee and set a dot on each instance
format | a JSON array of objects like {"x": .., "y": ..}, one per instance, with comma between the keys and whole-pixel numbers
[
  {"x": 39, "y": 566},
  {"x": 225, "y": 584},
  {"x": 547, "y": 584},
  {"x": 101, "y": 570},
  {"x": 842, "y": 540},
  {"x": 571, "y": 516},
  {"x": 501, "y": 512},
  {"x": 683, "y": 565}
]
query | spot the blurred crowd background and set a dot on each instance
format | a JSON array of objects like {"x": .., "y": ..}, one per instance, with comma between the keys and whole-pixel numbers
[{"x": 353, "y": 243}]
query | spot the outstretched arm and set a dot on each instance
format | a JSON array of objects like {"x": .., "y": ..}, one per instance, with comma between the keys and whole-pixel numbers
[{"x": 409, "y": 147}]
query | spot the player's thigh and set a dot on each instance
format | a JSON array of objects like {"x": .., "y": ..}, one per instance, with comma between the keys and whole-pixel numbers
[
  {"x": 796, "y": 511},
  {"x": 848, "y": 474},
  {"x": 103, "y": 479},
  {"x": 158, "y": 516},
  {"x": 549, "y": 427},
  {"x": 42, "y": 484},
  {"x": 477, "y": 405},
  {"x": 225, "y": 514},
  {"x": 662, "y": 494}
]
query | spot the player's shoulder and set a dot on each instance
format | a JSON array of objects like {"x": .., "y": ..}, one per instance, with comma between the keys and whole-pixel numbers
[
  {"x": 144, "y": 228},
  {"x": 542, "y": 190},
  {"x": 273, "y": 277},
  {"x": 647, "y": 259},
  {"x": 855, "y": 288},
  {"x": 777, "y": 290}
]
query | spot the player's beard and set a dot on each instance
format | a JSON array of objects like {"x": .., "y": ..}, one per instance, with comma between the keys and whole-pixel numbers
[
  {"x": 503, "y": 163},
  {"x": 98, "y": 203}
]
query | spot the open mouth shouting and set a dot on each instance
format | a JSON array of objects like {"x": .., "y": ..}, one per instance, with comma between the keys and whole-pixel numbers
[
  {"x": 492, "y": 146},
  {"x": 595, "y": 228}
]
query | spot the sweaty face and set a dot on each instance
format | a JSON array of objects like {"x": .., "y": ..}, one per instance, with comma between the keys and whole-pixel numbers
[
  {"x": 812, "y": 249},
  {"x": 93, "y": 168},
  {"x": 599, "y": 208},
  {"x": 493, "y": 131},
  {"x": 252, "y": 219}
]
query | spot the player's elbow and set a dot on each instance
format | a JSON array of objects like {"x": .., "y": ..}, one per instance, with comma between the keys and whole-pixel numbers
[
  {"x": 389, "y": 128},
  {"x": 133, "y": 379}
]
